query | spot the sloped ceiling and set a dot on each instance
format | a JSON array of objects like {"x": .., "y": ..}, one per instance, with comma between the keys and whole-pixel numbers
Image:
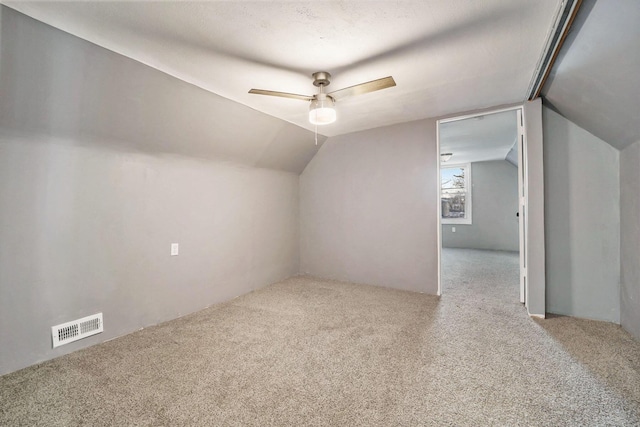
[
  {"x": 446, "y": 56},
  {"x": 479, "y": 139},
  {"x": 596, "y": 80},
  {"x": 58, "y": 88}
]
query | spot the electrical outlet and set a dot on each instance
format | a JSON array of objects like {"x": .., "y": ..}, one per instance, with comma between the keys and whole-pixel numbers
[
  {"x": 175, "y": 249},
  {"x": 453, "y": 229}
]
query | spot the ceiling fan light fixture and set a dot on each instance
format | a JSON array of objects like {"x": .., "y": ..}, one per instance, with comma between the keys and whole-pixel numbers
[{"x": 322, "y": 110}]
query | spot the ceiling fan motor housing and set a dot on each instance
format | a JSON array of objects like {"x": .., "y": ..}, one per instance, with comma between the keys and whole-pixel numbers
[{"x": 321, "y": 78}]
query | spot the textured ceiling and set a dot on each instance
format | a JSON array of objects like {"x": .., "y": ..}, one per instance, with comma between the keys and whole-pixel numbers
[
  {"x": 446, "y": 56},
  {"x": 596, "y": 80}
]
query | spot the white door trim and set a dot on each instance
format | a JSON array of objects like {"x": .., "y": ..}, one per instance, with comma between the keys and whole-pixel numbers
[
  {"x": 522, "y": 205},
  {"x": 439, "y": 205}
]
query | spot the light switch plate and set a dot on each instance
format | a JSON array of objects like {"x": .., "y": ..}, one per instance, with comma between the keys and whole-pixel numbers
[{"x": 174, "y": 249}]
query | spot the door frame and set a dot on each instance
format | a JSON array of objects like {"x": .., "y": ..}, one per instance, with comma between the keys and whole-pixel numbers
[{"x": 522, "y": 186}]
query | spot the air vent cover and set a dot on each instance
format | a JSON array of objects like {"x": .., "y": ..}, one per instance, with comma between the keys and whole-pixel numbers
[{"x": 77, "y": 329}]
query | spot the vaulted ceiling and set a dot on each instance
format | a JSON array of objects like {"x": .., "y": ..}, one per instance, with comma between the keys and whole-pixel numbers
[
  {"x": 596, "y": 79},
  {"x": 446, "y": 56}
]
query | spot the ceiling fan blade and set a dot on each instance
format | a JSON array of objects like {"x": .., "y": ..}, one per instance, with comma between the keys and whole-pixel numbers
[
  {"x": 281, "y": 94},
  {"x": 361, "y": 88}
]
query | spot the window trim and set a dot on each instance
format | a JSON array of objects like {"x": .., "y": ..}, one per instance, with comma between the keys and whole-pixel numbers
[{"x": 468, "y": 219}]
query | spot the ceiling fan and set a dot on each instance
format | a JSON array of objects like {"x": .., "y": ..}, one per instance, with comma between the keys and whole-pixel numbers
[{"x": 321, "y": 109}]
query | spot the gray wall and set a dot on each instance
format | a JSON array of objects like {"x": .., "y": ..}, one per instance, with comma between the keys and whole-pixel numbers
[
  {"x": 98, "y": 175},
  {"x": 630, "y": 238},
  {"x": 582, "y": 221},
  {"x": 368, "y": 208},
  {"x": 494, "y": 207}
]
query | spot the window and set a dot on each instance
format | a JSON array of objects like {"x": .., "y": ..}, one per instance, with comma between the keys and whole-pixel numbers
[{"x": 455, "y": 194}]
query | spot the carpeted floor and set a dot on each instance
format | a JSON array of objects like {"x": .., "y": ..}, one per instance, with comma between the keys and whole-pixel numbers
[{"x": 309, "y": 352}]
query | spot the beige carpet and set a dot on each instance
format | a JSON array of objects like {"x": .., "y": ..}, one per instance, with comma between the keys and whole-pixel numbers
[{"x": 308, "y": 352}]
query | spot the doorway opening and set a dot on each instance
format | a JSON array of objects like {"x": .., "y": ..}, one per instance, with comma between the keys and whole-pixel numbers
[{"x": 483, "y": 191}]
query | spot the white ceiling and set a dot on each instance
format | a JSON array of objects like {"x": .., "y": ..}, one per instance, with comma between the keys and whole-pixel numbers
[
  {"x": 447, "y": 56},
  {"x": 481, "y": 138},
  {"x": 596, "y": 80}
]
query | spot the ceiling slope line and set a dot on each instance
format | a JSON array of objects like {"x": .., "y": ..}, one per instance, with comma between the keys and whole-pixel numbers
[{"x": 559, "y": 31}]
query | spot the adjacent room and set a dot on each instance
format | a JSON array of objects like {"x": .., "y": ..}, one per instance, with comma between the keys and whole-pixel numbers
[
  {"x": 345, "y": 213},
  {"x": 479, "y": 212}
]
